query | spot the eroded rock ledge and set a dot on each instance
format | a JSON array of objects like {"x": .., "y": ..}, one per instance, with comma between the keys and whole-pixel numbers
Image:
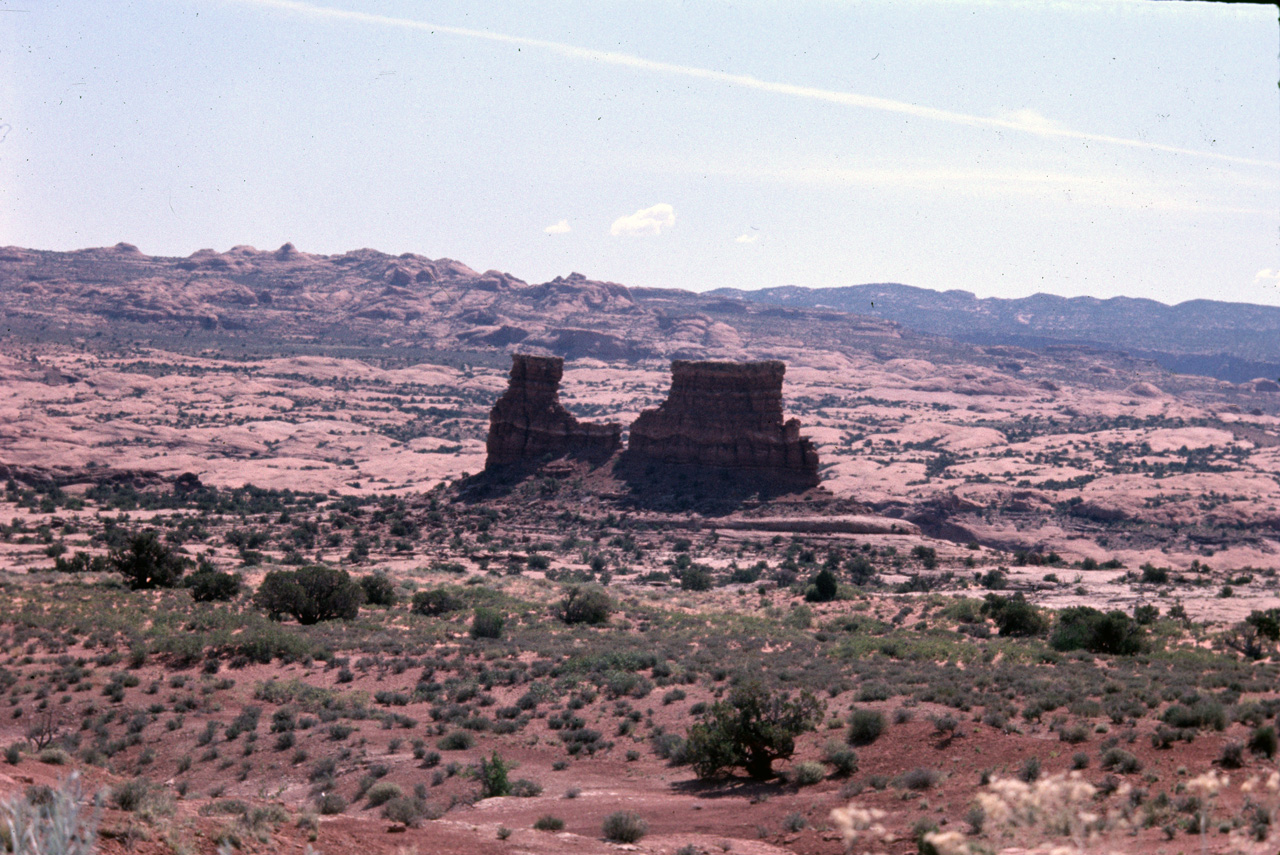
[{"x": 529, "y": 423}]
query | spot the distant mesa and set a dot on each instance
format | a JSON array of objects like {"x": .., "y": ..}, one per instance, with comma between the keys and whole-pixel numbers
[
  {"x": 720, "y": 418},
  {"x": 726, "y": 416},
  {"x": 529, "y": 424}
]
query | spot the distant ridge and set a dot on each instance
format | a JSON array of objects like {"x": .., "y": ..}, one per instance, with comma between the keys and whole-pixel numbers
[{"x": 1230, "y": 341}]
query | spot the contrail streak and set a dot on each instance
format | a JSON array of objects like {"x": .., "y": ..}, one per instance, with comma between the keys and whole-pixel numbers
[{"x": 847, "y": 99}]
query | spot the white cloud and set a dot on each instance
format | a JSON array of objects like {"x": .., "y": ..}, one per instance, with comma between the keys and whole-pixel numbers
[
  {"x": 746, "y": 238},
  {"x": 1267, "y": 273},
  {"x": 1039, "y": 126},
  {"x": 647, "y": 221},
  {"x": 560, "y": 228}
]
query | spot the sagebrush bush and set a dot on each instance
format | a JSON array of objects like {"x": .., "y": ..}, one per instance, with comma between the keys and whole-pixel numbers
[
  {"x": 865, "y": 726},
  {"x": 487, "y": 623},
  {"x": 1263, "y": 741},
  {"x": 383, "y": 792},
  {"x": 624, "y": 826},
  {"x": 55, "y": 822},
  {"x": 807, "y": 773},
  {"x": 584, "y": 604},
  {"x": 547, "y": 822}
]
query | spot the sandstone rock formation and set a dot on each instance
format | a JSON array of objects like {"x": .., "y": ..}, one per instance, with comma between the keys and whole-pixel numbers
[
  {"x": 727, "y": 415},
  {"x": 528, "y": 422}
]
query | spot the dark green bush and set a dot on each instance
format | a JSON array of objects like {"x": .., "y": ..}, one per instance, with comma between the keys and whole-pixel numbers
[
  {"x": 378, "y": 590},
  {"x": 1086, "y": 628},
  {"x": 211, "y": 585},
  {"x": 548, "y": 822},
  {"x": 1267, "y": 623},
  {"x": 147, "y": 563},
  {"x": 750, "y": 730},
  {"x": 865, "y": 726},
  {"x": 310, "y": 594},
  {"x": 1014, "y": 616},
  {"x": 436, "y": 601},
  {"x": 584, "y": 604},
  {"x": 487, "y": 623},
  {"x": 1263, "y": 741},
  {"x": 824, "y": 587},
  {"x": 695, "y": 578}
]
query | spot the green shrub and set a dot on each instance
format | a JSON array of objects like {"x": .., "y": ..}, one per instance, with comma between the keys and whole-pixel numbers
[
  {"x": 434, "y": 602},
  {"x": 1119, "y": 760},
  {"x": 750, "y": 730},
  {"x": 806, "y": 773},
  {"x": 378, "y": 590},
  {"x": 131, "y": 795},
  {"x": 523, "y": 788},
  {"x": 1267, "y": 623},
  {"x": 824, "y": 587},
  {"x": 1263, "y": 741},
  {"x": 624, "y": 826},
  {"x": 383, "y": 792},
  {"x": 50, "y": 821},
  {"x": 695, "y": 578},
  {"x": 547, "y": 822},
  {"x": 1014, "y": 617},
  {"x": 844, "y": 761},
  {"x": 331, "y": 803},
  {"x": 310, "y": 594},
  {"x": 405, "y": 810},
  {"x": 493, "y": 777},
  {"x": 584, "y": 604},
  {"x": 1084, "y": 627},
  {"x": 459, "y": 740},
  {"x": 147, "y": 563},
  {"x": 211, "y": 585},
  {"x": 865, "y": 726},
  {"x": 487, "y": 623}
]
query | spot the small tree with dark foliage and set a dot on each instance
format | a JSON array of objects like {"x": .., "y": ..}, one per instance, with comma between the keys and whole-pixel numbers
[
  {"x": 145, "y": 562},
  {"x": 208, "y": 585},
  {"x": 310, "y": 594},
  {"x": 434, "y": 602},
  {"x": 750, "y": 730},
  {"x": 378, "y": 590}
]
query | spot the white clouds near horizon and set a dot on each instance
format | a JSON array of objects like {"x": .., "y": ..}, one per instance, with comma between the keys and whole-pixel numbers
[{"x": 646, "y": 221}]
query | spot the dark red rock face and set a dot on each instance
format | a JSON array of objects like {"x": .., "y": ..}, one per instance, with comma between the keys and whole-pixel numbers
[
  {"x": 528, "y": 422},
  {"x": 727, "y": 415}
]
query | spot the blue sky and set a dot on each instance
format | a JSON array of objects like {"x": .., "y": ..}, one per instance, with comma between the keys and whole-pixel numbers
[{"x": 1103, "y": 148}]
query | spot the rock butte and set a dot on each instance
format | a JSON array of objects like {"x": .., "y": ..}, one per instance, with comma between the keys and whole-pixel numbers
[
  {"x": 529, "y": 423},
  {"x": 726, "y": 415}
]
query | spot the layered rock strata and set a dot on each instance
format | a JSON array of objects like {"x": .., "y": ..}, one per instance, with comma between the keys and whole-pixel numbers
[
  {"x": 727, "y": 416},
  {"x": 528, "y": 423}
]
